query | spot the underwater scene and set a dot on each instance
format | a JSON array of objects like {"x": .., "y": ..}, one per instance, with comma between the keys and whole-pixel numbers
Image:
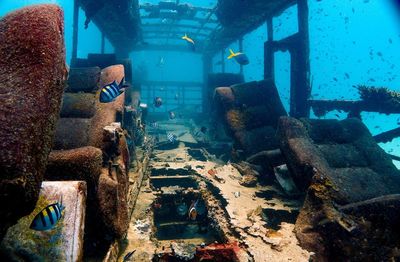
[{"x": 200, "y": 130}]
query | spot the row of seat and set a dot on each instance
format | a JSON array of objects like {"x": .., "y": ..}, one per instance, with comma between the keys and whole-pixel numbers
[
  {"x": 90, "y": 145},
  {"x": 335, "y": 163}
]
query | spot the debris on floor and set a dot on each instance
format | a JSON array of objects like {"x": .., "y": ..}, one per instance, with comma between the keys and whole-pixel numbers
[{"x": 195, "y": 208}]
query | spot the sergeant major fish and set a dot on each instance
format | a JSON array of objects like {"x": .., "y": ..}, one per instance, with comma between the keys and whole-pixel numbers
[
  {"x": 48, "y": 217},
  {"x": 240, "y": 58},
  {"x": 111, "y": 91}
]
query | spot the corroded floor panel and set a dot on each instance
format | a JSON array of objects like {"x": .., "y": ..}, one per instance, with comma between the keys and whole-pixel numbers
[{"x": 260, "y": 219}]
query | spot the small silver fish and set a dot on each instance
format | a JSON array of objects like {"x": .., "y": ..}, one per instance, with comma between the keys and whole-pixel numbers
[{"x": 171, "y": 115}]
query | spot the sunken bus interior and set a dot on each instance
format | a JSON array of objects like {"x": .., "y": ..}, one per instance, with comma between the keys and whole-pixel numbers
[{"x": 241, "y": 174}]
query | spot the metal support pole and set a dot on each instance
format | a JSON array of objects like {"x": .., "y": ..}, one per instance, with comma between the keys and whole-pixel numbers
[
  {"x": 75, "y": 32},
  {"x": 241, "y": 50},
  {"x": 302, "y": 86},
  {"x": 269, "y": 59}
]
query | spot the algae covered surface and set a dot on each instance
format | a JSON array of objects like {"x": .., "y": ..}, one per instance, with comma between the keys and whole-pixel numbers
[{"x": 25, "y": 243}]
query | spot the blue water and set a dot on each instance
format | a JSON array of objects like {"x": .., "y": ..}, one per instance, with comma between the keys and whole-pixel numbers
[{"x": 345, "y": 38}]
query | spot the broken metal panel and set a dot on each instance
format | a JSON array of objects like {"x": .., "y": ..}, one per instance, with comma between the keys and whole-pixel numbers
[
  {"x": 119, "y": 20},
  {"x": 240, "y": 17}
]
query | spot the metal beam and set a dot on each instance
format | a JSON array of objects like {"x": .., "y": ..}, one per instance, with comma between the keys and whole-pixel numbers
[
  {"x": 300, "y": 74},
  {"x": 75, "y": 31},
  {"x": 176, "y": 37},
  {"x": 152, "y": 7},
  {"x": 397, "y": 158},
  {"x": 170, "y": 47},
  {"x": 208, "y": 18},
  {"x": 259, "y": 11},
  {"x": 269, "y": 59},
  {"x": 163, "y": 33},
  {"x": 122, "y": 24},
  {"x": 387, "y": 136},
  {"x": 241, "y": 50},
  {"x": 195, "y": 19},
  {"x": 321, "y": 107},
  {"x": 183, "y": 26},
  {"x": 169, "y": 30}
]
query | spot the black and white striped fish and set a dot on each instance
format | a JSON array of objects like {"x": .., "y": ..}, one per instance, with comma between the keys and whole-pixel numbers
[
  {"x": 48, "y": 217},
  {"x": 111, "y": 91},
  {"x": 171, "y": 137}
]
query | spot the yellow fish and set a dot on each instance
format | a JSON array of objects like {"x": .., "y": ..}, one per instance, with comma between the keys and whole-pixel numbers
[
  {"x": 190, "y": 41},
  {"x": 240, "y": 58},
  {"x": 186, "y": 38}
]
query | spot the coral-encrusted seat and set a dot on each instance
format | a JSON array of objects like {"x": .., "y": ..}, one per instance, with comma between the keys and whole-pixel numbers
[
  {"x": 352, "y": 189},
  {"x": 32, "y": 78},
  {"x": 84, "y": 150},
  {"x": 250, "y": 112}
]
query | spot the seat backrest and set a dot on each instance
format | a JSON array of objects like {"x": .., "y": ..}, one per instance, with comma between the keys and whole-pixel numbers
[
  {"x": 250, "y": 114},
  {"x": 250, "y": 105},
  {"x": 83, "y": 117},
  {"x": 32, "y": 80},
  {"x": 344, "y": 152}
]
